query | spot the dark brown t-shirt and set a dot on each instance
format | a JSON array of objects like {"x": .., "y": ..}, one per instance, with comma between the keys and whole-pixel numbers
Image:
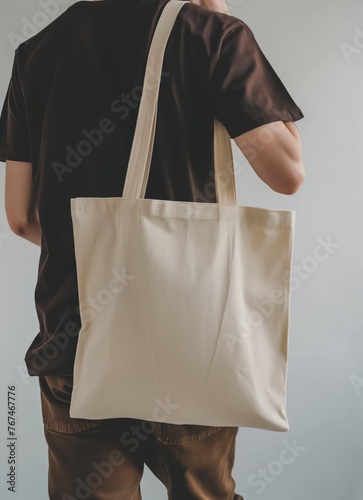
[{"x": 71, "y": 110}]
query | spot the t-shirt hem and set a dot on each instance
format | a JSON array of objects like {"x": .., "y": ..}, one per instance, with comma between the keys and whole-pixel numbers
[
  {"x": 6, "y": 154},
  {"x": 237, "y": 129}
]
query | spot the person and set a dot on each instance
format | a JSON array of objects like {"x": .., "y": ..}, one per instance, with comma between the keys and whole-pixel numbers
[{"x": 66, "y": 131}]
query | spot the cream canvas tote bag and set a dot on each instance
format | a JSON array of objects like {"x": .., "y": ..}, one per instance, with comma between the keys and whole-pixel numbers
[{"x": 184, "y": 305}]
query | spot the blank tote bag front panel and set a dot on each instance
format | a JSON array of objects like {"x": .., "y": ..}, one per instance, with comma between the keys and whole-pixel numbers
[{"x": 192, "y": 316}]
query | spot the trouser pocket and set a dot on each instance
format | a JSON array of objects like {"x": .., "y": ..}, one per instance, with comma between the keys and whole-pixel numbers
[
  {"x": 55, "y": 395},
  {"x": 173, "y": 434}
]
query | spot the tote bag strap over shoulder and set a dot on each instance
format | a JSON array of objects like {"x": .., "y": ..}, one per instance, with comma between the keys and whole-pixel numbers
[{"x": 141, "y": 152}]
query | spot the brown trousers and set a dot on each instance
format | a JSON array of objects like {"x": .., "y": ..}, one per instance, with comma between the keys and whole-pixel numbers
[{"x": 104, "y": 459}]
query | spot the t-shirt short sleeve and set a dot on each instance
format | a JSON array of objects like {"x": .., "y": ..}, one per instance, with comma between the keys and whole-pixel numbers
[
  {"x": 14, "y": 129},
  {"x": 246, "y": 92}
]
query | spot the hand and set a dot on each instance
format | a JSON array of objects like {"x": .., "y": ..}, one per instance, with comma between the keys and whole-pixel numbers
[{"x": 217, "y": 5}]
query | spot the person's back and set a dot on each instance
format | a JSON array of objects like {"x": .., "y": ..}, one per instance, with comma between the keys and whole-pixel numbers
[
  {"x": 70, "y": 114},
  {"x": 81, "y": 81}
]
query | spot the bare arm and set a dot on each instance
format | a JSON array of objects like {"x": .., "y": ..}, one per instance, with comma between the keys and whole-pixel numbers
[
  {"x": 20, "y": 210},
  {"x": 274, "y": 152}
]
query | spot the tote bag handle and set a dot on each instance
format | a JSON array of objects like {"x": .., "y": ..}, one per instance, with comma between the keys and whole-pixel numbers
[{"x": 141, "y": 152}]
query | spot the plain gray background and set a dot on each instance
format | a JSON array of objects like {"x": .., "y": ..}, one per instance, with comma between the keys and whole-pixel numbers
[{"x": 316, "y": 47}]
